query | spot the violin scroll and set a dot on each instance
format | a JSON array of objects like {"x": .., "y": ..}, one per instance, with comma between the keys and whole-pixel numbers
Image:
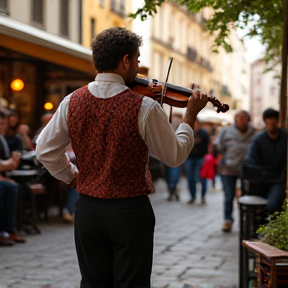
[{"x": 221, "y": 107}]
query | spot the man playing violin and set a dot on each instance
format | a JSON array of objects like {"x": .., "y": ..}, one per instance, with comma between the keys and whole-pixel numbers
[{"x": 112, "y": 130}]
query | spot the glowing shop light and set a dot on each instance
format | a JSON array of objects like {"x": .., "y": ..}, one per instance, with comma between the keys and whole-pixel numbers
[
  {"x": 48, "y": 106},
  {"x": 17, "y": 85}
]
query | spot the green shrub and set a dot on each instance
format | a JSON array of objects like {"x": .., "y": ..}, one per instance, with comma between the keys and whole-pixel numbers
[{"x": 275, "y": 232}]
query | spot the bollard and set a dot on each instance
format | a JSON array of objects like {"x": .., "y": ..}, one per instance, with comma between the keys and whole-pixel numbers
[{"x": 253, "y": 213}]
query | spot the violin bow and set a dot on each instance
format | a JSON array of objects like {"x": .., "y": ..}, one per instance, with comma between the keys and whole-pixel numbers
[{"x": 164, "y": 89}]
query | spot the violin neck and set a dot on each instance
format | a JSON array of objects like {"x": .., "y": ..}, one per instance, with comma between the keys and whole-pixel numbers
[
  {"x": 171, "y": 87},
  {"x": 143, "y": 81}
]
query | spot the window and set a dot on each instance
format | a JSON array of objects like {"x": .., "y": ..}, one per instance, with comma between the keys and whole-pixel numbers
[
  {"x": 93, "y": 24},
  {"x": 37, "y": 11},
  {"x": 4, "y": 6},
  {"x": 157, "y": 65},
  {"x": 171, "y": 30},
  {"x": 272, "y": 90},
  {"x": 162, "y": 21},
  {"x": 64, "y": 9},
  {"x": 102, "y": 2},
  {"x": 112, "y": 5},
  {"x": 118, "y": 6},
  {"x": 122, "y": 6}
]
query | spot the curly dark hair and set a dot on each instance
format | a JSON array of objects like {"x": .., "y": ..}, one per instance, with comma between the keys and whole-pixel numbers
[
  {"x": 109, "y": 47},
  {"x": 270, "y": 113}
]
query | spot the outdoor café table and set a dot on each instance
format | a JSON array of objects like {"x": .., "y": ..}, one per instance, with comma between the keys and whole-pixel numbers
[{"x": 22, "y": 177}]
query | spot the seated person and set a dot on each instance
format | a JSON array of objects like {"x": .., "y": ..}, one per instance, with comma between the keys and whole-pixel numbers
[
  {"x": 268, "y": 152},
  {"x": 8, "y": 204},
  {"x": 12, "y": 137},
  {"x": 8, "y": 191},
  {"x": 23, "y": 130}
]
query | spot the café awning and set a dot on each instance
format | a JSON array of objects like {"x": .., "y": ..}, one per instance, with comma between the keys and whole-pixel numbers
[{"x": 35, "y": 42}]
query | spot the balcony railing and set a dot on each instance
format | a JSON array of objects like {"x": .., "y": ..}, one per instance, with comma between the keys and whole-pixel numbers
[
  {"x": 191, "y": 53},
  {"x": 193, "y": 56}
]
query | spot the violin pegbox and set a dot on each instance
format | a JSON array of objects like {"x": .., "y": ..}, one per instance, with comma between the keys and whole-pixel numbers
[
  {"x": 154, "y": 83},
  {"x": 220, "y": 106}
]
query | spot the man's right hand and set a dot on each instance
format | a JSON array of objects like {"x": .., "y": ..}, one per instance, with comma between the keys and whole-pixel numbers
[{"x": 196, "y": 103}]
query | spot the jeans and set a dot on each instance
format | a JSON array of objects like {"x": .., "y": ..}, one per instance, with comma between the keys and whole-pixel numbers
[
  {"x": 193, "y": 167},
  {"x": 172, "y": 177},
  {"x": 276, "y": 196},
  {"x": 73, "y": 196},
  {"x": 229, "y": 187},
  {"x": 8, "y": 206}
]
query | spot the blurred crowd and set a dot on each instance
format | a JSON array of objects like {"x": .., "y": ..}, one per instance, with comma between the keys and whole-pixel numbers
[
  {"x": 234, "y": 153},
  {"x": 248, "y": 162},
  {"x": 17, "y": 146}
]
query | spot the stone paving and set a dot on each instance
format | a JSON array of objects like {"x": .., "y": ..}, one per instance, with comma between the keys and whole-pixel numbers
[{"x": 190, "y": 249}]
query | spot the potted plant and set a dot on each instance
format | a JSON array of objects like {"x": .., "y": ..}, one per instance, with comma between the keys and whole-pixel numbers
[{"x": 275, "y": 232}]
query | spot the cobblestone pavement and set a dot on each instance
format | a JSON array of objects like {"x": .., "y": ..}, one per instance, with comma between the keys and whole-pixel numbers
[{"x": 190, "y": 249}]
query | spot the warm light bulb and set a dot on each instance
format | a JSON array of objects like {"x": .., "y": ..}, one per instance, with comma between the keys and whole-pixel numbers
[
  {"x": 17, "y": 85},
  {"x": 48, "y": 106}
]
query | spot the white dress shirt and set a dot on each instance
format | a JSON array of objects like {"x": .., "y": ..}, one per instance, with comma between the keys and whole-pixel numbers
[{"x": 168, "y": 146}]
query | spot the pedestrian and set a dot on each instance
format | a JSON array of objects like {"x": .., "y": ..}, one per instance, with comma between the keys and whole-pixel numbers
[
  {"x": 72, "y": 194},
  {"x": 45, "y": 118},
  {"x": 232, "y": 142},
  {"x": 208, "y": 169},
  {"x": 195, "y": 161},
  {"x": 24, "y": 130},
  {"x": 172, "y": 174},
  {"x": 112, "y": 129},
  {"x": 268, "y": 153}
]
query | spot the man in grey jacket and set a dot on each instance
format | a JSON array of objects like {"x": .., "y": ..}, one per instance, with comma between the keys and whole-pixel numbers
[{"x": 233, "y": 142}]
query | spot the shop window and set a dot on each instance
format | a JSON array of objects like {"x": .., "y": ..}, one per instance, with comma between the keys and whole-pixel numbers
[
  {"x": 37, "y": 11},
  {"x": 4, "y": 6},
  {"x": 64, "y": 7}
]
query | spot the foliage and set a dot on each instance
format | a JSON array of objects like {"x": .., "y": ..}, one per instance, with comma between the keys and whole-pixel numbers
[
  {"x": 275, "y": 232},
  {"x": 263, "y": 19},
  {"x": 149, "y": 9}
]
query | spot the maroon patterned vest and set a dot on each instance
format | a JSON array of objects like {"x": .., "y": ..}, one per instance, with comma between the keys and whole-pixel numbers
[{"x": 112, "y": 158}]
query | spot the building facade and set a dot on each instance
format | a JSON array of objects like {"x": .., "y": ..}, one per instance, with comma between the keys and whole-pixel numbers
[
  {"x": 236, "y": 75},
  {"x": 176, "y": 32},
  {"x": 265, "y": 91},
  {"x": 40, "y": 45},
  {"x": 102, "y": 14}
]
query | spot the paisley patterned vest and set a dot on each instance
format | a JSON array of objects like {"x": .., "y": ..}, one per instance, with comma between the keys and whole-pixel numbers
[{"x": 112, "y": 158}]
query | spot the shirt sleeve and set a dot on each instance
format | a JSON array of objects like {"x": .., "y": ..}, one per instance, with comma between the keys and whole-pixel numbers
[
  {"x": 52, "y": 144},
  {"x": 218, "y": 142},
  {"x": 169, "y": 146}
]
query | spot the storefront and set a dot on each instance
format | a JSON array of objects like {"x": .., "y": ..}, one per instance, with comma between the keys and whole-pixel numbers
[{"x": 37, "y": 68}]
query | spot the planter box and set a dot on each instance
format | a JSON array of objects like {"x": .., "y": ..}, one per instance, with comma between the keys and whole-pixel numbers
[{"x": 271, "y": 264}]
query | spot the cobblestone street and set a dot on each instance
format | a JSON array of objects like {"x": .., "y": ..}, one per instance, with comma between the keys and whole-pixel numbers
[{"x": 190, "y": 249}]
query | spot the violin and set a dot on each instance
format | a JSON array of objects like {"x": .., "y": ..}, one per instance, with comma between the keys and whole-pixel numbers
[{"x": 175, "y": 96}]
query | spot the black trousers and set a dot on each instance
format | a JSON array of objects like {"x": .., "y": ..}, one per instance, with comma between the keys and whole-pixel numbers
[{"x": 114, "y": 241}]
